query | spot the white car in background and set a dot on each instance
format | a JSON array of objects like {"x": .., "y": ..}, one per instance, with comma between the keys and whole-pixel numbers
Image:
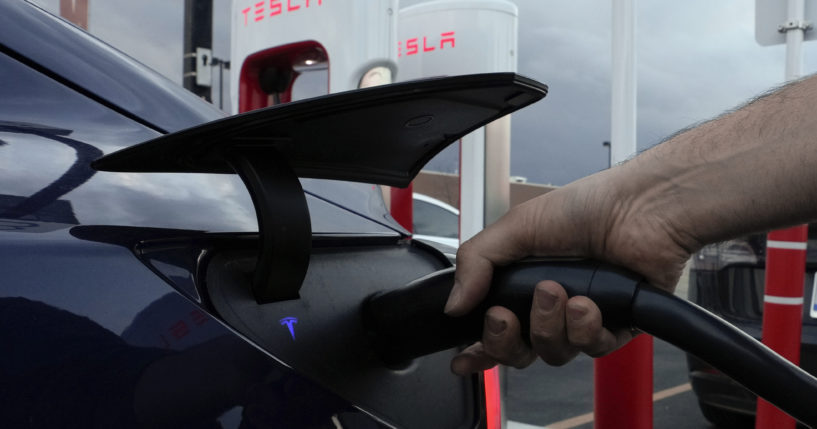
[{"x": 435, "y": 221}]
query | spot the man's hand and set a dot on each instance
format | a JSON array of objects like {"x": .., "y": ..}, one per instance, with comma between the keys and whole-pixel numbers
[
  {"x": 588, "y": 218},
  {"x": 750, "y": 170}
]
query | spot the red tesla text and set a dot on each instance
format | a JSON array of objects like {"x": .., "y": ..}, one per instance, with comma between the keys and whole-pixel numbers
[
  {"x": 412, "y": 46},
  {"x": 269, "y": 8}
]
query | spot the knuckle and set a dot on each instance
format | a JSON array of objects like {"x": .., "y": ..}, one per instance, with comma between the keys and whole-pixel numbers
[
  {"x": 543, "y": 337},
  {"x": 605, "y": 343},
  {"x": 583, "y": 338},
  {"x": 587, "y": 340},
  {"x": 496, "y": 348},
  {"x": 463, "y": 249},
  {"x": 523, "y": 356}
]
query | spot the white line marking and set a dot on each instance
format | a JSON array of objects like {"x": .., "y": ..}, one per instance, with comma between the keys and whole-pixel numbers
[
  {"x": 666, "y": 393},
  {"x": 588, "y": 417},
  {"x": 519, "y": 425},
  {"x": 791, "y": 245},
  {"x": 784, "y": 300}
]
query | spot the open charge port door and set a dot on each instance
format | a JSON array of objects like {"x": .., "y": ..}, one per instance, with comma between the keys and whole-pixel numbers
[
  {"x": 299, "y": 295},
  {"x": 322, "y": 334}
]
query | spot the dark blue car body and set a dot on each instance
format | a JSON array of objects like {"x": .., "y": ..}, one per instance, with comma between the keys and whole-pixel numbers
[{"x": 104, "y": 320}]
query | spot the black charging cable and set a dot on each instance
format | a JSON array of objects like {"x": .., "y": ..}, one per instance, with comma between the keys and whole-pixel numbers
[{"x": 409, "y": 322}]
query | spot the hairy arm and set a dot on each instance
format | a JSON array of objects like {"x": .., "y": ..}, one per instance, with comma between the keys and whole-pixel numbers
[{"x": 748, "y": 170}]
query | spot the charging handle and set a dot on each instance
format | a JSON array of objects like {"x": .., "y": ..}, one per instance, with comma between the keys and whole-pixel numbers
[{"x": 409, "y": 322}]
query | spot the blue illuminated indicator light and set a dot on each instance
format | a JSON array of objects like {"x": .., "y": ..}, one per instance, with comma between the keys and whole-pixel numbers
[{"x": 289, "y": 322}]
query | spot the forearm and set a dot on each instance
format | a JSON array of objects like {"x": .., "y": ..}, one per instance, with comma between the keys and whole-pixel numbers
[{"x": 749, "y": 170}]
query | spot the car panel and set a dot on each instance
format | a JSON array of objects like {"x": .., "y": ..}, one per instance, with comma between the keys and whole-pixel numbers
[
  {"x": 87, "y": 327},
  {"x": 327, "y": 322},
  {"x": 407, "y": 124},
  {"x": 91, "y": 300},
  {"x": 98, "y": 70},
  {"x": 47, "y": 177},
  {"x": 103, "y": 330}
]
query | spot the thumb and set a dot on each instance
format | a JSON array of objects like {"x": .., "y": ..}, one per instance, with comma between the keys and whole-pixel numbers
[{"x": 498, "y": 244}]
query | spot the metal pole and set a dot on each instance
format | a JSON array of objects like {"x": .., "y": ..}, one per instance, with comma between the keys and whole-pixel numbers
[
  {"x": 623, "y": 380},
  {"x": 221, "y": 85},
  {"x": 785, "y": 255},
  {"x": 198, "y": 33},
  {"x": 795, "y": 31},
  {"x": 472, "y": 184},
  {"x": 623, "y": 108}
]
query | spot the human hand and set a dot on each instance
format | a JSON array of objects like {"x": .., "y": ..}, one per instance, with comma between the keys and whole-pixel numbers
[{"x": 598, "y": 217}]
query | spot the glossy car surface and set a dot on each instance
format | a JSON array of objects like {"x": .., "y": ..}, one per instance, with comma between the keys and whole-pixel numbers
[
  {"x": 106, "y": 319},
  {"x": 728, "y": 279}
]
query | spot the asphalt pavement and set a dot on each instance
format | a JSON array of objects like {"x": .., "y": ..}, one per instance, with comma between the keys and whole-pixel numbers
[{"x": 561, "y": 398}]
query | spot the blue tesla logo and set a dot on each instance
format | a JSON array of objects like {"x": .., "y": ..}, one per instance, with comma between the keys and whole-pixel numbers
[{"x": 289, "y": 322}]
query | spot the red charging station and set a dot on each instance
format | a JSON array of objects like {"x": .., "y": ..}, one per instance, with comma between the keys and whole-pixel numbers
[
  {"x": 267, "y": 77},
  {"x": 455, "y": 37},
  {"x": 783, "y": 308},
  {"x": 273, "y": 44},
  {"x": 400, "y": 206}
]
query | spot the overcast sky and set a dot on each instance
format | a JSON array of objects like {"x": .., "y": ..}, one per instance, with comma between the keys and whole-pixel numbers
[{"x": 696, "y": 58}]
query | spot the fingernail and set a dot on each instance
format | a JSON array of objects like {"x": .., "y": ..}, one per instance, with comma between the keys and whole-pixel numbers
[
  {"x": 576, "y": 312},
  {"x": 453, "y": 299},
  {"x": 494, "y": 325},
  {"x": 546, "y": 300}
]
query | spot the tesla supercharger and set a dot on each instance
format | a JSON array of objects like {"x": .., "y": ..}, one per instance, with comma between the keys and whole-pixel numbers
[
  {"x": 456, "y": 37},
  {"x": 275, "y": 41}
]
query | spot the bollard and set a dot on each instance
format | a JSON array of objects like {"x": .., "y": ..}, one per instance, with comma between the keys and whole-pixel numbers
[
  {"x": 623, "y": 386},
  {"x": 783, "y": 308}
]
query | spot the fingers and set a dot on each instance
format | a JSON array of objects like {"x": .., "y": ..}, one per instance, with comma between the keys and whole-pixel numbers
[
  {"x": 502, "y": 340},
  {"x": 471, "y": 280},
  {"x": 501, "y": 344},
  {"x": 561, "y": 328},
  {"x": 585, "y": 330},
  {"x": 476, "y": 258},
  {"x": 548, "y": 326},
  {"x": 471, "y": 360}
]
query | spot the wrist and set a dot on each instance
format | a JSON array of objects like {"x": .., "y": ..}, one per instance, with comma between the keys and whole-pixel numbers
[{"x": 650, "y": 228}]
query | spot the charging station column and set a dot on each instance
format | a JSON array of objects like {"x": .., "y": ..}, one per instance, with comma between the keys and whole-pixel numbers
[
  {"x": 456, "y": 37},
  {"x": 623, "y": 380},
  {"x": 276, "y": 41}
]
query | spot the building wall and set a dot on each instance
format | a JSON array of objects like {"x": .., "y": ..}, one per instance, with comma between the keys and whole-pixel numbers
[{"x": 445, "y": 187}]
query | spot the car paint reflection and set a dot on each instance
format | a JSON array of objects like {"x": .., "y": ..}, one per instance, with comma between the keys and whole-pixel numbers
[{"x": 58, "y": 366}]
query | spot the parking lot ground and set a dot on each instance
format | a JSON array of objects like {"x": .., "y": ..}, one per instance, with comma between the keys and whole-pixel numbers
[{"x": 561, "y": 398}]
